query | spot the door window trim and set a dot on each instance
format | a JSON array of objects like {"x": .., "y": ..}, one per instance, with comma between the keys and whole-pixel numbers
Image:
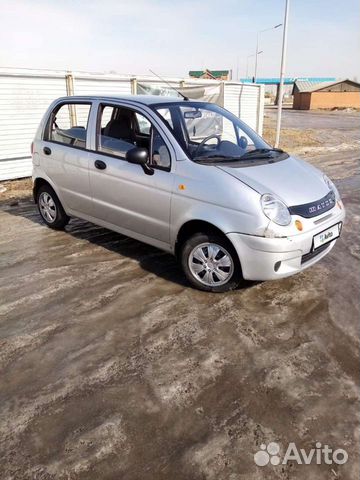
[
  {"x": 45, "y": 133},
  {"x": 100, "y": 107}
]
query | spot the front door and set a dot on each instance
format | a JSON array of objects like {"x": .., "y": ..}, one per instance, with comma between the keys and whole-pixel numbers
[{"x": 123, "y": 194}]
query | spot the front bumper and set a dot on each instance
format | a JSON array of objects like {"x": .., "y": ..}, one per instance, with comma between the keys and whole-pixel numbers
[{"x": 265, "y": 258}]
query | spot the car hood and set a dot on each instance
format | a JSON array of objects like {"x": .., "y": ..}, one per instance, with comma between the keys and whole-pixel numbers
[{"x": 293, "y": 180}]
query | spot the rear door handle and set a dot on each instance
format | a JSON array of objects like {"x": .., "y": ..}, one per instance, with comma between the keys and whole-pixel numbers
[
  {"x": 100, "y": 164},
  {"x": 47, "y": 150}
]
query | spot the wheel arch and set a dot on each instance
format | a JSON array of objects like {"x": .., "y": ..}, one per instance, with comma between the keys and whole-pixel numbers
[
  {"x": 39, "y": 182},
  {"x": 195, "y": 226}
]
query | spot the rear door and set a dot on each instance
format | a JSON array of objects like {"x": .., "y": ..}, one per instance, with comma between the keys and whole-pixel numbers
[
  {"x": 123, "y": 194},
  {"x": 64, "y": 156}
]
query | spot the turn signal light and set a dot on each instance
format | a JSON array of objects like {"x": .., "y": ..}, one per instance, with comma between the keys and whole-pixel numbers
[
  {"x": 298, "y": 225},
  {"x": 339, "y": 205}
]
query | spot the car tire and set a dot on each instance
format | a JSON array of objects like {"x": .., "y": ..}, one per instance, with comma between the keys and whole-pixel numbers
[
  {"x": 50, "y": 208},
  {"x": 210, "y": 263}
]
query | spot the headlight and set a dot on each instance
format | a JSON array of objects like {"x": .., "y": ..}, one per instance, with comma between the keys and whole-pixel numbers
[
  {"x": 275, "y": 209},
  {"x": 331, "y": 186}
]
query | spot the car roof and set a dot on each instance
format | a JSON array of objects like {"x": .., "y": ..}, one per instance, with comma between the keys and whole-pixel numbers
[{"x": 140, "y": 99}]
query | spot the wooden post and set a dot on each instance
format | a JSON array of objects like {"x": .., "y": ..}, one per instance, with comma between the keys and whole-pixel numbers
[
  {"x": 69, "y": 81},
  {"x": 133, "y": 86}
]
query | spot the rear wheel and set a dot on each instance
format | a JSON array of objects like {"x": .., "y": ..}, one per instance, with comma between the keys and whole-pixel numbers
[
  {"x": 210, "y": 263},
  {"x": 50, "y": 208}
]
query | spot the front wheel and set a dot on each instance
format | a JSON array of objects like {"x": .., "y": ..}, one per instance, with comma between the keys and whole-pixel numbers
[{"x": 210, "y": 263}]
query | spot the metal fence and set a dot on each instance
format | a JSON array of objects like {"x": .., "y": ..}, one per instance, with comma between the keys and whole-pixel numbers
[{"x": 26, "y": 94}]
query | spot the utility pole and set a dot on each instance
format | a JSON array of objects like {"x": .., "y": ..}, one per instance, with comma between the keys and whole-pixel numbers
[
  {"x": 257, "y": 46},
  {"x": 247, "y": 62},
  {"x": 282, "y": 74},
  {"x": 256, "y": 56}
]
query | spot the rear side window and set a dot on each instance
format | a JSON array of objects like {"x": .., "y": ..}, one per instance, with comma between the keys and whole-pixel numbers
[{"x": 68, "y": 124}]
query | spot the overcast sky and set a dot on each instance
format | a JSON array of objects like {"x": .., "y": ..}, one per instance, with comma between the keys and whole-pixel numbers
[{"x": 173, "y": 37}]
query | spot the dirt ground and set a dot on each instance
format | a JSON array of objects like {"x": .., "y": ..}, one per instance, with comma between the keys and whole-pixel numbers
[
  {"x": 307, "y": 132},
  {"x": 112, "y": 367}
]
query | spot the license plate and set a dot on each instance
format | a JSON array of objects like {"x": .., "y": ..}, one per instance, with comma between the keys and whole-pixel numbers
[{"x": 326, "y": 236}]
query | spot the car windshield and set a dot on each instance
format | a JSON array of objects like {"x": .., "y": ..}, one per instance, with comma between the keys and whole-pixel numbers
[{"x": 208, "y": 133}]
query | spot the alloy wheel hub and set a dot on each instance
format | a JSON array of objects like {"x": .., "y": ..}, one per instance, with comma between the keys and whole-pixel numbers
[
  {"x": 211, "y": 264},
  {"x": 47, "y": 207}
]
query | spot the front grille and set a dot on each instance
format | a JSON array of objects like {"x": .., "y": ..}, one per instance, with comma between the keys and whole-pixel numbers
[
  {"x": 313, "y": 209},
  {"x": 309, "y": 256}
]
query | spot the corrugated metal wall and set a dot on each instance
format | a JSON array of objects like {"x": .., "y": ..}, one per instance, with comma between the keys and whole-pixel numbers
[
  {"x": 101, "y": 86},
  {"x": 23, "y": 101},
  {"x": 247, "y": 103},
  {"x": 25, "y": 96}
]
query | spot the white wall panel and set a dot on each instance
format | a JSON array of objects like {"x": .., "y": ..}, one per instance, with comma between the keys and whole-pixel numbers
[
  {"x": 101, "y": 86},
  {"x": 246, "y": 102},
  {"x": 23, "y": 102},
  {"x": 10, "y": 169}
]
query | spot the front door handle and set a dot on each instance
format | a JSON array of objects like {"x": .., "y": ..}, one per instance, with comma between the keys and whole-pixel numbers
[
  {"x": 100, "y": 164},
  {"x": 47, "y": 150}
]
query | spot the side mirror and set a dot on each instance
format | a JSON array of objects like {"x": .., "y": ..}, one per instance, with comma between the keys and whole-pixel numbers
[
  {"x": 140, "y": 156},
  {"x": 137, "y": 155},
  {"x": 243, "y": 142}
]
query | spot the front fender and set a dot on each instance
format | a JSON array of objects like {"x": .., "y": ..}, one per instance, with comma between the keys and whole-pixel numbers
[
  {"x": 208, "y": 194},
  {"x": 243, "y": 220}
]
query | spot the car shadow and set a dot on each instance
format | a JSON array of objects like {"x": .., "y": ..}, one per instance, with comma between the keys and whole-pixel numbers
[{"x": 150, "y": 259}]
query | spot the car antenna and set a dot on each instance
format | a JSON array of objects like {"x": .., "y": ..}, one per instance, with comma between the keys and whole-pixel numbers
[{"x": 171, "y": 86}]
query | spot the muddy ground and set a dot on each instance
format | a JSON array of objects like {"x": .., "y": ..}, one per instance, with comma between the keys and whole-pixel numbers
[{"x": 112, "y": 367}]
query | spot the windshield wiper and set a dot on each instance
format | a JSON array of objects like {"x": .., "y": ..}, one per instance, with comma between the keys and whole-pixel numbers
[
  {"x": 262, "y": 153},
  {"x": 253, "y": 154},
  {"x": 214, "y": 158}
]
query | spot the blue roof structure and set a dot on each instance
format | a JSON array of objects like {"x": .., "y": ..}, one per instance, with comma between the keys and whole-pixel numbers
[{"x": 288, "y": 80}]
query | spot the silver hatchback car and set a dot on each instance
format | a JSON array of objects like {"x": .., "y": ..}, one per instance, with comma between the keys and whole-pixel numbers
[{"x": 187, "y": 177}]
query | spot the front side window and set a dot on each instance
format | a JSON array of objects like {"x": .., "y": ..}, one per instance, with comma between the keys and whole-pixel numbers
[
  {"x": 144, "y": 125},
  {"x": 160, "y": 155},
  {"x": 166, "y": 115},
  {"x": 68, "y": 124},
  {"x": 207, "y": 132},
  {"x": 122, "y": 129}
]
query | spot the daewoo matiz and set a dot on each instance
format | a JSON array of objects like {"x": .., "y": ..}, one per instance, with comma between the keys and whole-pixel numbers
[{"x": 187, "y": 177}]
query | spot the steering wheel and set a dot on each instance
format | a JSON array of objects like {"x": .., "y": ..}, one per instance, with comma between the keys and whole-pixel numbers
[{"x": 206, "y": 139}]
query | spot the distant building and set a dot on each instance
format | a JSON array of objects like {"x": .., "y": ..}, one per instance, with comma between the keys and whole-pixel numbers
[
  {"x": 336, "y": 94},
  {"x": 211, "y": 74},
  {"x": 272, "y": 85},
  {"x": 288, "y": 80}
]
